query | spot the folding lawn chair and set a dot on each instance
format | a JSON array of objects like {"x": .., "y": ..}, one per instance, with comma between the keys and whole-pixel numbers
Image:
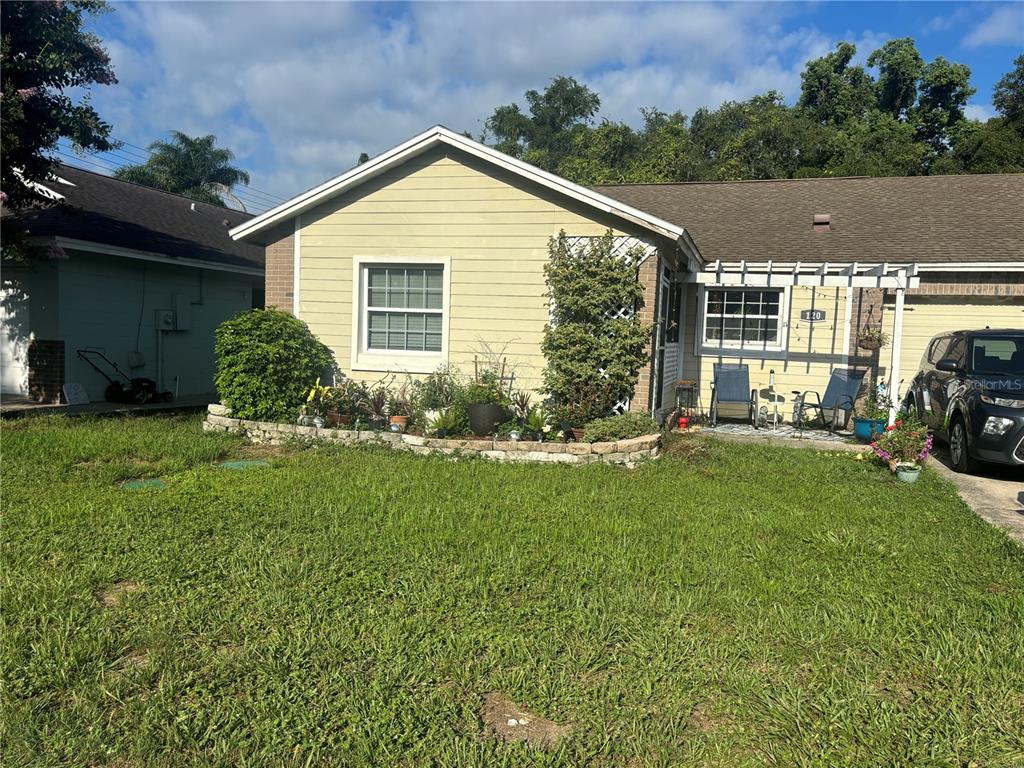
[
  {"x": 840, "y": 395},
  {"x": 732, "y": 385}
]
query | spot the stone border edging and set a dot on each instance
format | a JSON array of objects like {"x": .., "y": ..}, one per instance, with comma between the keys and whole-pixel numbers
[{"x": 623, "y": 452}]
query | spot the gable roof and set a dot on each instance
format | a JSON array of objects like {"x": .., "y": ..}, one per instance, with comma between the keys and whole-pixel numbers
[
  {"x": 924, "y": 219},
  {"x": 440, "y": 135},
  {"x": 105, "y": 211}
]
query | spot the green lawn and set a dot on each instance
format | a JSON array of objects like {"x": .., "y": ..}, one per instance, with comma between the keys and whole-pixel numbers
[{"x": 740, "y": 605}]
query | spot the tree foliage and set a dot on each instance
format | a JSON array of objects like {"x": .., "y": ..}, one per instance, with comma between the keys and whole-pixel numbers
[
  {"x": 191, "y": 166},
  {"x": 267, "y": 361},
  {"x": 900, "y": 116},
  {"x": 592, "y": 358},
  {"x": 45, "y": 52}
]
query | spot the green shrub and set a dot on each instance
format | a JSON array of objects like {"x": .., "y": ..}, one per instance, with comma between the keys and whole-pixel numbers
[
  {"x": 267, "y": 361},
  {"x": 620, "y": 427},
  {"x": 591, "y": 358}
]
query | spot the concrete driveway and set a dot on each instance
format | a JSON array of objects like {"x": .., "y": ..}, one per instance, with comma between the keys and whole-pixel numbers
[{"x": 996, "y": 492}]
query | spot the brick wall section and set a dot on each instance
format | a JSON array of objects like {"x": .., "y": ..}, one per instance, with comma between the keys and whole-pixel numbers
[
  {"x": 648, "y": 276},
  {"x": 45, "y": 370},
  {"x": 280, "y": 274}
]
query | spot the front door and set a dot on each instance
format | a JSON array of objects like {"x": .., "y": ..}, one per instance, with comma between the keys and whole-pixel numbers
[{"x": 666, "y": 340}]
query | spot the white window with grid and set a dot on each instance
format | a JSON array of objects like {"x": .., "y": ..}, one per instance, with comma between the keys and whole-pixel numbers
[
  {"x": 744, "y": 318},
  {"x": 400, "y": 322}
]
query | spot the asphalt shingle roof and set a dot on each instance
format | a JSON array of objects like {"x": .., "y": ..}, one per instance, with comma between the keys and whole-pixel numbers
[
  {"x": 924, "y": 219},
  {"x": 101, "y": 209}
]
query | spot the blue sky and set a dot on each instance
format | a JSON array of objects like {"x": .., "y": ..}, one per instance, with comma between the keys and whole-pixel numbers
[{"x": 299, "y": 89}]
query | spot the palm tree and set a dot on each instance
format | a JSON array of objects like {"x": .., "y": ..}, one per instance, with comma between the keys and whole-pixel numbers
[{"x": 190, "y": 166}]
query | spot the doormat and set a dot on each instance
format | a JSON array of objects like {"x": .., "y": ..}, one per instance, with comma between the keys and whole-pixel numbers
[{"x": 149, "y": 482}]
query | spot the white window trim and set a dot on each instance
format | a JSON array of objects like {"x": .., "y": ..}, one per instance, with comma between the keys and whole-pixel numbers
[
  {"x": 739, "y": 349},
  {"x": 405, "y": 361}
]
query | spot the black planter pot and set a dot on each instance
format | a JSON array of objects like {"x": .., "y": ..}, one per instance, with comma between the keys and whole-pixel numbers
[{"x": 484, "y": 417}]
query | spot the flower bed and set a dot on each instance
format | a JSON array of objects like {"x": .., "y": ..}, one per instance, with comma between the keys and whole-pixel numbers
[{"x": 623, "y": 452}]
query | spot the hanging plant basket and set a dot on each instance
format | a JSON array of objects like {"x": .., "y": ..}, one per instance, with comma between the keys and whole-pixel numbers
[{"x": 872, "y": 339}]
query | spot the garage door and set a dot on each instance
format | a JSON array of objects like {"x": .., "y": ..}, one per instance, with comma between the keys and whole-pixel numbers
[{"x": 924, "y": 318}]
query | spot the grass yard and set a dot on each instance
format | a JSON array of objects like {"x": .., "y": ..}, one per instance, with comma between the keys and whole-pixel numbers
[{"x": 740, "y": 605}]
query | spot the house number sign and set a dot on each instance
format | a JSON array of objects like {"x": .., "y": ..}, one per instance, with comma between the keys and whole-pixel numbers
[{"x": 812, "y": 315}]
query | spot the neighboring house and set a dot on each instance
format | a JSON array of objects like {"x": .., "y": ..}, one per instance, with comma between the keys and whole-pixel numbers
[
  {"x": 434, "y": 252},
  {"x": 142, "y": 275}
]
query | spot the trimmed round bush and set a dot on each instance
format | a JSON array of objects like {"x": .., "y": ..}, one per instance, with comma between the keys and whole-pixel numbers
[{"x": 266, "y": 362}]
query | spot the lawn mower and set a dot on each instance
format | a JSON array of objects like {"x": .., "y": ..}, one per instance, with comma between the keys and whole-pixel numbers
[{"x": 139, "y": 390}]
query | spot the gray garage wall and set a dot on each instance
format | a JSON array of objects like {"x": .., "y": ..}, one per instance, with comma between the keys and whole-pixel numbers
[{"x": 110, "y": 303}]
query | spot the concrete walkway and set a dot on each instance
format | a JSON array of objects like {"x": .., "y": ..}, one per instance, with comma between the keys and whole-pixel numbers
[
  {"x": 13, "y": 407},
  {"x": 995, "y": 493}
]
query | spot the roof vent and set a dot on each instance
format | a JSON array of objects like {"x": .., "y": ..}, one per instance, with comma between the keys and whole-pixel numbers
[{"x": 822, "y": 222}]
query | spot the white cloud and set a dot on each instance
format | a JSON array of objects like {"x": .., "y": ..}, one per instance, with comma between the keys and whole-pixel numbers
[
  {"x": 1004, "y": 26},
  {"x": 980, "y": 112},
  {"x": 298, "y": 90}
]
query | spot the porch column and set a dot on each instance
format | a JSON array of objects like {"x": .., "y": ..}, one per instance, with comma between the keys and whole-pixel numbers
[{"x": 897, "y": 347}]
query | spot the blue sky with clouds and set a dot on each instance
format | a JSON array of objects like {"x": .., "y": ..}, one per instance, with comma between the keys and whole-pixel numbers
[{"x": 299, "y": 89}]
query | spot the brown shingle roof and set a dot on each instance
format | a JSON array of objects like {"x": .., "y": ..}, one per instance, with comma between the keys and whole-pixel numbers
[
  {"x": 105, "y": 210},
  {"x": 924, "y": 219}
]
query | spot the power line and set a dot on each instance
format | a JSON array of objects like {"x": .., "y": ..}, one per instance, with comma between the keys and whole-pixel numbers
[
  {"x": 252, "y": 206},
  {"x": 116, "y": 163},
  {"x": 276, "y": 198}
]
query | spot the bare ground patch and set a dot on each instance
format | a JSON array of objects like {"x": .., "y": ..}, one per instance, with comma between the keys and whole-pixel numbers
[
  {"x": 112, "y": 596},
  {"x": 505, "y": 720}
]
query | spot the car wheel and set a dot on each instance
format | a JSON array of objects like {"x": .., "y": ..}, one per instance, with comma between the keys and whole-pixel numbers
[{"x": 959, "y": 457}]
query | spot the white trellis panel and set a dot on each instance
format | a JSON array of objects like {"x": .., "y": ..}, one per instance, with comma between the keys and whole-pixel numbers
[{"x": 624, "y": 246}]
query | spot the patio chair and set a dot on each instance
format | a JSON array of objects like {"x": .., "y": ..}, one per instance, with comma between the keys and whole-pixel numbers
[
  {"x": 841, "y": 393},
  {"x": 732, "y": 385}
]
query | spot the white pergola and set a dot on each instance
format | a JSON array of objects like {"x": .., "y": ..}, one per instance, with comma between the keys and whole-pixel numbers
[{"x": 773, "y": 274}]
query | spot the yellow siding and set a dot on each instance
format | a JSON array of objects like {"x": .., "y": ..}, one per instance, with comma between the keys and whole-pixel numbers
[
  {"x": 814, "y": 350},
  {"x": 493, "y": 226},
  {"x": 924, "y": 318}
]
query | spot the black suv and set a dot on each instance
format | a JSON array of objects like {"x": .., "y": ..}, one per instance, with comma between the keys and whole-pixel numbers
[{"x": 970, "y": 391}]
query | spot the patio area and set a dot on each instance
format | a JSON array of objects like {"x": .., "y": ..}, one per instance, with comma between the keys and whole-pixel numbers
[{"x": 787, "y": 431}]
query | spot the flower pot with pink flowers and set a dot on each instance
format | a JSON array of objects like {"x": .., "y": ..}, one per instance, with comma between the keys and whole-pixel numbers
[{"x": 904, "y": 446}]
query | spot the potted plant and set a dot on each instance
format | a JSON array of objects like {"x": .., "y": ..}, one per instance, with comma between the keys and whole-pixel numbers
[
  {"x": 444, "y": 424},
  {"x": 399, "y": 408},
  {"x": 520, "y": 401},
  {"x": 904, "y": 446},
  {"x": 376, "y": 405},
  {"x": 873, "y": 416},
  {"x": 872, "y": 338},
  {"x": 537, "y": 423},
  {"x": 345, "y": 402},
  {"x": 317, "y": 402},
  {"x": 436, "y": 392},
  {"x": 485, "y": 405}
]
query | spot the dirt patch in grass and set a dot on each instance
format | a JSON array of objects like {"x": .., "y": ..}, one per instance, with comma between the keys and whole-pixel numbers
[
  {"x": 263, "y": 450},
  {"x": 997, "y": 589},
  {"x": 504, "y": 720},
  {"x": 704, "y": 719},
  {"x": 687, "y": 447},
  {"x": 111, "y": 597}
]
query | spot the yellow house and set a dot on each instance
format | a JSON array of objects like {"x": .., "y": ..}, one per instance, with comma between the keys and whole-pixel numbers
[{"x": 433, "y": 252}]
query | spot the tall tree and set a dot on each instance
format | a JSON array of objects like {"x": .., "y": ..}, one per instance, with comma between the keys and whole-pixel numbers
[
  {"x": 190, "y": 166},
  {"x": 45, "y": 52},
  {"x": 945, "y": 89},
  {"x": 900, "y": 67},
  {"x": 832, "y": 91},
  {"x": 545, "y": 135},
  {"x": 1008, "y": 97}
]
